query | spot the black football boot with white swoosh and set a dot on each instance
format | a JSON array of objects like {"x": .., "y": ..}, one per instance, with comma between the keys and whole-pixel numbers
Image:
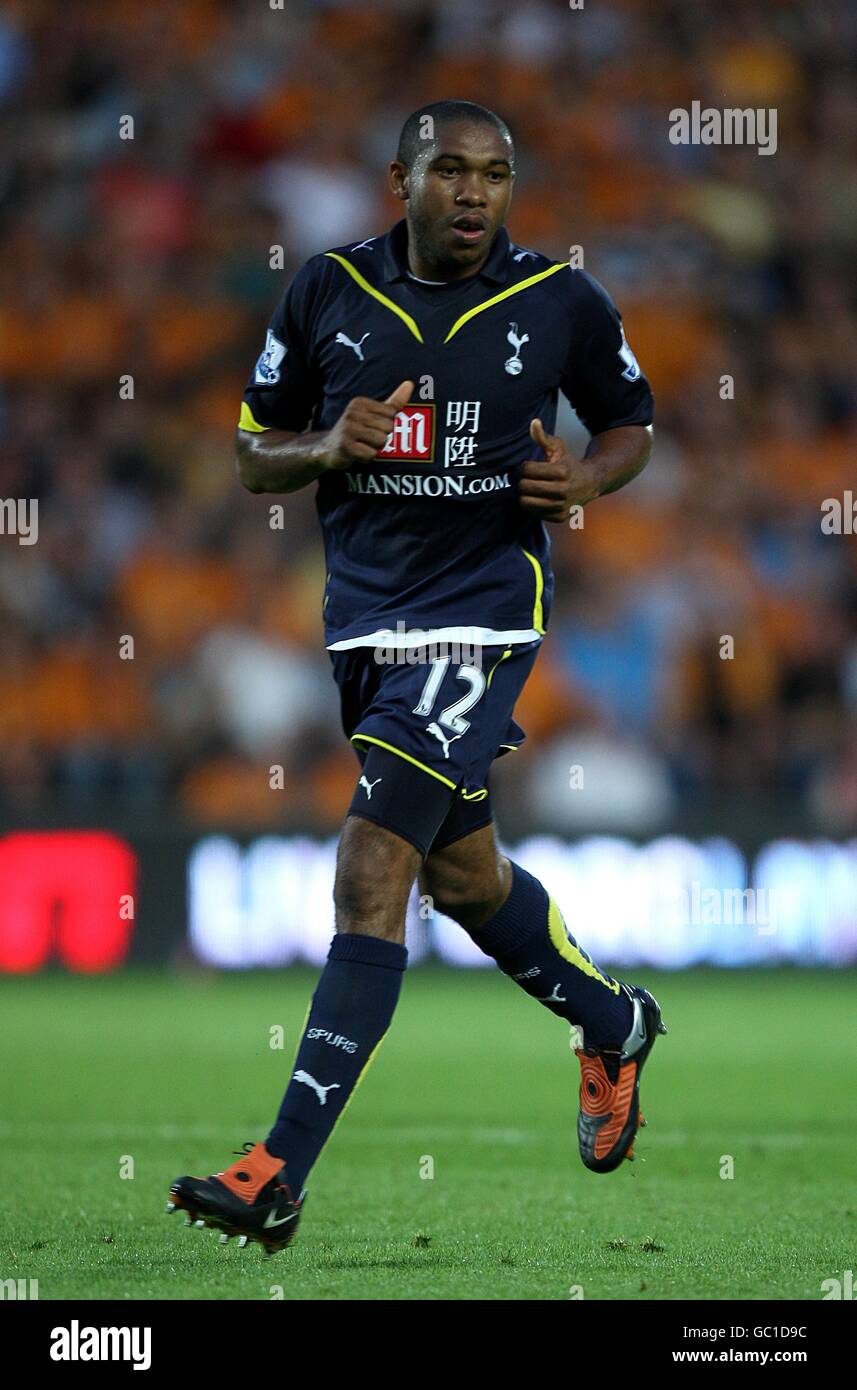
[{"x": 251, "y": 1200}]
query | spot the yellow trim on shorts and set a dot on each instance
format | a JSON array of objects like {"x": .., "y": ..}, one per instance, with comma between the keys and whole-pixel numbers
[
  {"x": 507, "y": 652},
  {"x": 467, "y": 796},
  {"x": 367, "y": 738}
]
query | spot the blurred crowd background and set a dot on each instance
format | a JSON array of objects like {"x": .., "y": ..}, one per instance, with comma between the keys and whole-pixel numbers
[{"x": 256, "y": 127}]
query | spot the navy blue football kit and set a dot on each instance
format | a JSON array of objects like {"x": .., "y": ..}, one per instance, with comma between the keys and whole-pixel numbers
[
  {"x": 428, "y": 551},
  {"x": 437, "y": 597}
]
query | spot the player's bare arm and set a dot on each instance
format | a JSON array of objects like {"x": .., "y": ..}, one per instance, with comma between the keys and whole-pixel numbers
[
  {"x": 283, "y": 461},
  {"x": 551, "y": 486}
]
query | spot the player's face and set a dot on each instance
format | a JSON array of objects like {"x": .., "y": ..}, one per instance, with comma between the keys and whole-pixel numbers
[{"x": 458, "y": 193}]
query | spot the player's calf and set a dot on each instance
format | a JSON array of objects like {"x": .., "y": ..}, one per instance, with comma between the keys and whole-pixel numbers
[
  {"x": 525, "y": 934},
  {"x": 469, "y": 880}
]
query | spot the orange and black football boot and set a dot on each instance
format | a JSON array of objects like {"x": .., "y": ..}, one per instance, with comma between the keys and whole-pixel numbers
[
  {"x": 609, "y": 1114},
  {"x": 251, "y": 1200}
]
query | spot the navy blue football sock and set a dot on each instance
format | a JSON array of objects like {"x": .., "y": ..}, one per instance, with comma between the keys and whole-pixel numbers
[
  {"x": 530, "y": 942},
  {"x": 350, "y": 1012}
]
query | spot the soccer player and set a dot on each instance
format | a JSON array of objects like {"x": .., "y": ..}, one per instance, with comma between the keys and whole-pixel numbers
[{"x": 413, "y": 378}]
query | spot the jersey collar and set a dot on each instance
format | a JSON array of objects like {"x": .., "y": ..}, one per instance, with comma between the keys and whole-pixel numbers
[{"x": 495, "y": 270}]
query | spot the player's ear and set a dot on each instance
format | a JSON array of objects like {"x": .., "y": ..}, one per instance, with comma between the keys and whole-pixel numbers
[{"x": 399, "y": 179}]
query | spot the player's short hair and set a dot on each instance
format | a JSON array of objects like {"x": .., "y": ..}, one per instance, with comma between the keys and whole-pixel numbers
[{"x": 412, "y": 139}]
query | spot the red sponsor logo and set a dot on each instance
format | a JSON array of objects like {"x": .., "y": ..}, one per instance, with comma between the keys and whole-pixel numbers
[{"x": 412, "y": 435}]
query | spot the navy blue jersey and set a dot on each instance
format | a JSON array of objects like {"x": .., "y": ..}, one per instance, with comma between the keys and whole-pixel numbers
[{"x": 430, "y": 535}]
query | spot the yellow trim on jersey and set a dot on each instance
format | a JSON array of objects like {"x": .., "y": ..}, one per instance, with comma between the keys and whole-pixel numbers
[
  {"x": 376, "y": 294},
  {"x": 538, "y": 612},
  {"x": 504, "y": 294},
  {"x": 367, "y": 738},
  {"x": 247, "y": 421},
  {"x": 411, "y": 323},
  {"x": 558, "y": 933}
]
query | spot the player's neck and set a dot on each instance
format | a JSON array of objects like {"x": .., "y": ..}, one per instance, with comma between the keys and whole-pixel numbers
[{"x": 435, "y": 273}]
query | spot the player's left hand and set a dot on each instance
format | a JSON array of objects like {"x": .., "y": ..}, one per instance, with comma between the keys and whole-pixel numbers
[{"x": 551, "y": 486}]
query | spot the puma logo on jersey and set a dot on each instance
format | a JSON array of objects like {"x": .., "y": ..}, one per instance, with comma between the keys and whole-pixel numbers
[
  {"x": 321, "y": 1091},
  {"x": 369, "y": 786},
  {"x": 355, "y": 347},
  {"x": 514, "y": 366},
  {"x": 438, "y": 733},
  {"x": 521, "y": 252},
  {"x": 554, "y": 997},
  {"x": 365, "y": 244}
]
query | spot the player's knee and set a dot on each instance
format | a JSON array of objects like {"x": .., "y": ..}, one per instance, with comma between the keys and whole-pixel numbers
[
  {"x": 374, "y": 873},
  {"x": 470, "y": 895}
]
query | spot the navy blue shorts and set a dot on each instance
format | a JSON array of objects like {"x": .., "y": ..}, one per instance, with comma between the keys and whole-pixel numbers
[{"x": 427, "y": 732}]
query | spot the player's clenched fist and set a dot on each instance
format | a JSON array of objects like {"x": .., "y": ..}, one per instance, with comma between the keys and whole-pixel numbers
[
  {"x": 364, "y": 426},
  {"x": 551, "y": 486}
]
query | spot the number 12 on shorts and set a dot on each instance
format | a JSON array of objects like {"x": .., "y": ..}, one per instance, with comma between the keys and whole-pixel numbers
[{"x": 452, "y": 716}]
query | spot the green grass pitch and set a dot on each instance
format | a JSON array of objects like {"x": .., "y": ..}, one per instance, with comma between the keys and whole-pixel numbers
[{"x": 176, "y": 1071}]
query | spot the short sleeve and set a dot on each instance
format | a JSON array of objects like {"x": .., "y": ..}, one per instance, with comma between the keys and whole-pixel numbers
[
  {"x": 284, "y": 388},
  {"x": 602, "y": 378}
]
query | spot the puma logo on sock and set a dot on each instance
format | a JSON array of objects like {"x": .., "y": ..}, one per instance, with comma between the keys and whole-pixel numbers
[{"x": 321, "y": 1091}]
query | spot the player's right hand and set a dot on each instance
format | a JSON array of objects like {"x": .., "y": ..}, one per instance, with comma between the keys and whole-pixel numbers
[{"x": 364, "y": 427}]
